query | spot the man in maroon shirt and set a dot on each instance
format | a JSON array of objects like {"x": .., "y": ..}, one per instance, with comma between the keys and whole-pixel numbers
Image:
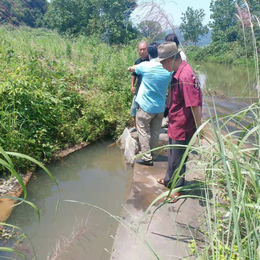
[{"x": 184, "y": 102}]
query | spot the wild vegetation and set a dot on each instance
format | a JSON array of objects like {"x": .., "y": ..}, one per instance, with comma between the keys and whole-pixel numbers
[
  {"x": 192, "y": 24},
  {"x": 23, "y": 12},
  {"x": 231, "y": 162},
  {"x": 58, "y": 91},
  {"x": 224, "y": 53},
  {"x": 230, "y": 187},
  {"x": 231, "y": 25},
  {"x": 107, "y": 19}
]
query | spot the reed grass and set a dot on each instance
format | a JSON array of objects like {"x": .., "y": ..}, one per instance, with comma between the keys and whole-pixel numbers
[
  {"x": 229, "y": 157},
  {"x": 230, "y": 160}
]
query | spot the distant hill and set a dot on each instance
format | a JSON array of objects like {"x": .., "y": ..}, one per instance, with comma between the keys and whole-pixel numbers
[{"x": 204, "y": 40}]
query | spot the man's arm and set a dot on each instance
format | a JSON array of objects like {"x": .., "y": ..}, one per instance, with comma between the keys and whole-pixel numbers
[
  {"x": 132, "y": 69},
  {"x": 133, "y": 84},
  {"x": 196, "y": 111}
]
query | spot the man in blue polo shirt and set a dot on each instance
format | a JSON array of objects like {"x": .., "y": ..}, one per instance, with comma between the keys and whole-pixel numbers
[{"x": 151, "y": 99}]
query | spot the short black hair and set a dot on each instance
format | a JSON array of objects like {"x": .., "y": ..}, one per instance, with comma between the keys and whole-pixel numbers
[
  {"x": 172, "y": 38},
  {"x": 152, "y": 49}
]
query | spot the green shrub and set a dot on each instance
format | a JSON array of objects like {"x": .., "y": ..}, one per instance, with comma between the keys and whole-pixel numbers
[{"x": 57, "y": 91}]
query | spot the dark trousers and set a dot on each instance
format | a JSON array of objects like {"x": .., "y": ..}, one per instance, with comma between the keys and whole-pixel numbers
[{"x": 174, "y": 159}]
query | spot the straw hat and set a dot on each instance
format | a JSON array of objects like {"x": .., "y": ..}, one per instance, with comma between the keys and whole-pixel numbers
[{"x": 167, "y": 50}]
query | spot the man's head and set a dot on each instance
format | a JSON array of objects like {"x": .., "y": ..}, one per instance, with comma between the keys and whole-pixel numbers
[
  {"x": 152, "y": 50},
  {"x": 172, "y": 38},
  {"x": 142, "y": 50},
  {"x": 169, "y": 56}
]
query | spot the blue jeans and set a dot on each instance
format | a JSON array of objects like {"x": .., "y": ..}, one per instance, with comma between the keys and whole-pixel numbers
[{"x": 134, "y": 106}]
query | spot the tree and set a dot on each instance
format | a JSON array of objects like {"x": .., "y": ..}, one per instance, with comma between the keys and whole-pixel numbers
[
  {"x": 192, "y": 26},
  {"x": 70, "y": 16},
  {"x": 151, "y": 30},
  {"x": 108, "y": 18},
  {"x": 253, "y": 5},
  {"x": 23, "y": 12},
  {"x": 114, "y": 20},
  {"x": 225, "y": 23}
]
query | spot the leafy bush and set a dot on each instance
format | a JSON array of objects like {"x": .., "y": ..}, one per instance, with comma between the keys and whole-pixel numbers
[{"x": 57, "y": 91}]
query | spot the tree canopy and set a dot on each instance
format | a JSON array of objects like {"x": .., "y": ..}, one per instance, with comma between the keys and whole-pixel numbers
[
  {"x": 192, "y": 26},
  {"x": 225, "y": 23},
  {"x": 108, "y": 18},
  {"x": 23, "y": 12}
]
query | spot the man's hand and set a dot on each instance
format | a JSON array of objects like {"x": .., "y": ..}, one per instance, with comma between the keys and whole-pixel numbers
[
  {"x": 133, "y": 84},
  {"x": 131, "y": 69},
  {"x": 196, "y": 111}
]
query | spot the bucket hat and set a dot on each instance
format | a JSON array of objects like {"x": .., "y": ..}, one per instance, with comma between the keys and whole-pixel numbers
[{"x": 167, "y": 50}]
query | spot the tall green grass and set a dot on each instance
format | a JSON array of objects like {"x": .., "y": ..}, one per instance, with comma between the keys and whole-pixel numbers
[
  {"x": 230, "y": 160},
  {"x": 232, "y": 176}
]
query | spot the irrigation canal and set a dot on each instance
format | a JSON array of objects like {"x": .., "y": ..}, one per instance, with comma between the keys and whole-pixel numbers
[{"x": 97, "y": 175}]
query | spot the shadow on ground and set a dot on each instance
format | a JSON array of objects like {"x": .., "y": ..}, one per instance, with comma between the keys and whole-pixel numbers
[{"x": 198, "y": 190}]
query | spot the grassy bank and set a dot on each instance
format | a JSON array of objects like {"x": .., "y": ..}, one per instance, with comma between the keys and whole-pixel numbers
[
  {"x": 227, "y": 163},
  {"x": 231, "y": 163},
  {"x": 226, "y": 53},
  {"x": 57, "y": 91}
]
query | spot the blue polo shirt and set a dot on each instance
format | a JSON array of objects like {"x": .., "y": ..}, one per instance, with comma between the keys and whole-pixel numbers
[{"x": 152, "y": 91}]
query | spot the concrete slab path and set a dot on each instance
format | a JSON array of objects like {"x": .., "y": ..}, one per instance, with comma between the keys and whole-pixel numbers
[{"x": 173, "y": 227}]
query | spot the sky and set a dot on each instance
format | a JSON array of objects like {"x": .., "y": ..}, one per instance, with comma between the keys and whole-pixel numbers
[
  {"x": 180, "y": 6},
  {"x": 175, "y": 8}
]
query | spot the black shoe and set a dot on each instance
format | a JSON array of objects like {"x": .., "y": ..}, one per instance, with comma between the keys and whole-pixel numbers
[{"x": 142, "y": 162}]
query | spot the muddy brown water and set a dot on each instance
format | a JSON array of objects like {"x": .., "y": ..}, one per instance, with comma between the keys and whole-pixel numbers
[{"x": 96, "y": 175}]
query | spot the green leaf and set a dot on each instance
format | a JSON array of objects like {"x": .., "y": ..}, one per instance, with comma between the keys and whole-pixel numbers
[
  {"x": 11, "y": 250},
  {"x": 36, "y": 162}
]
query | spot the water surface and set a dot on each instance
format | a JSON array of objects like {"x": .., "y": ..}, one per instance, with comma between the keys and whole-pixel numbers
[
  {"x": 94, "y": 175},
  {"x": 227, "y": 80}
]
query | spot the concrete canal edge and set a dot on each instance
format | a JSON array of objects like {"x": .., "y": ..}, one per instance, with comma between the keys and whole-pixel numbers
[
  {"x": 12, "y": 188},
  {"x": 173, "y": 227}
]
